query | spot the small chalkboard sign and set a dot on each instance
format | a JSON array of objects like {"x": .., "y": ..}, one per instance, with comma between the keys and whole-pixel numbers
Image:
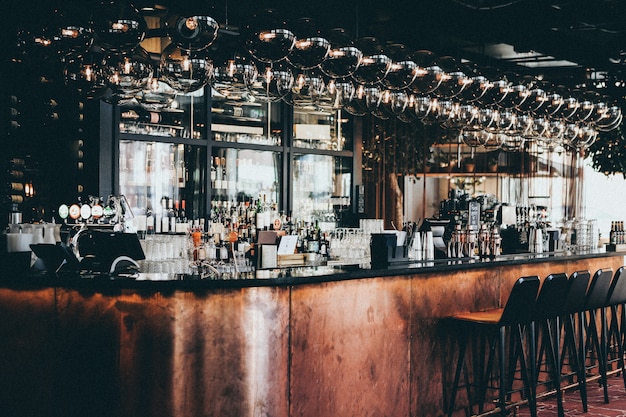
[{"x": 473, "y": 221}]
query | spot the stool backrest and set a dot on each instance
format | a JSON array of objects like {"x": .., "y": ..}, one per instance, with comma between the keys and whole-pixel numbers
[
  {"x": 598, "y": 292},
  {"x": 551, "y": 298},
  {"x": 617, "y": 293},
  {"x": 520, "y": 306},
  {"x": 577, "y": 291}
]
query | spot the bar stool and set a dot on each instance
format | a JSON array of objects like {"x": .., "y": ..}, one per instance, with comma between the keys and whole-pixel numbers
[
  {"x": 549, "y": 307},
  {"x": 573, "y": 330},
  {"x": 617, "y": 298},
  {"x": 596, "y": 300},
  {"x": 513, "y": 320}
]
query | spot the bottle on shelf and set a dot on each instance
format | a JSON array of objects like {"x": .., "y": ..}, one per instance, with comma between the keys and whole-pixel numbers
[
  {"x": 142, "y": 115},
  {"x": 171, "y": 216},
  {"x": 150, "y": 229}
]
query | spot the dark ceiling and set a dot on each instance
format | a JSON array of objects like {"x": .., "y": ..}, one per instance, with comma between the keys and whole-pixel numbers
[{"x": 566, "y": 41}]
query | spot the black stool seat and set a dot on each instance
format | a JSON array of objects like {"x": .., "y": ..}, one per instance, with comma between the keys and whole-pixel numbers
[{"x": 512, "y": 320}]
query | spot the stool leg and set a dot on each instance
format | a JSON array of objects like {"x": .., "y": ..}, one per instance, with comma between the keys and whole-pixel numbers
[
  {"x": 503, "y": 380},
  {"x": 554, "y": 360},
  {"x": 569, "y": 345},
  {"x": 581, "y": 359},
  {"x": 604, "y": 354},
  {"x": 457, "y": 372}
]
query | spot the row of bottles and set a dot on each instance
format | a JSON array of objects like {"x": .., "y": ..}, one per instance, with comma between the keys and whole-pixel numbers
[
  {"x": 171, "y": 219},
  {"x": 617, "y": 235},
  {"x": 243, "y": 221}
]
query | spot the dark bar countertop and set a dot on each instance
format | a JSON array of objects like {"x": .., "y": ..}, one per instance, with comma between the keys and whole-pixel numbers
[{"x": 284, "y": 276}]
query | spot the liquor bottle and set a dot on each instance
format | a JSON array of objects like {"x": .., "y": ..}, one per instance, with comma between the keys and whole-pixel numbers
[
  {"x": 171, "y": 216},
  {"x": 164, "y": 219},
  {"x": 14, "y": 199},
  {"x": 213, "y": 175},
  {"x": 180, "y": 166},
  {"x": 149, "y": 219},
  {"x": 142, "y": 115},
  {"x": 613, "y": 233},
  {"x": 218, "y": 173},
  {"x": 224, "y": 175}
]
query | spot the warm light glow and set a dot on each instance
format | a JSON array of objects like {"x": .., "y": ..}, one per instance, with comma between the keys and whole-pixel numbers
[
  {"x": 337, "y": 53},
  {"x": 69, "y": 33},
  {"x": 303, "y": 44},
  {"x": 119, "y": 26},
  {"x": 267, "y": 36},
  {"x": 301, "y": 81},
  {"x": 154, "y": 84},
  {"x": 191, "y": 23},
  {"x": 88, "y": 71},
  {"x": 231, "y": 68},
  {"x": 127, "y": 66},
  {"x": 43, "y": 41},
  {"x": 268, "y": 75},
  {"x": 186, "y": 64}
]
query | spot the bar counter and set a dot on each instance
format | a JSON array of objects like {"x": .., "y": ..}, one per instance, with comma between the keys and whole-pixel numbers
[{"x": 317, "y": 341}]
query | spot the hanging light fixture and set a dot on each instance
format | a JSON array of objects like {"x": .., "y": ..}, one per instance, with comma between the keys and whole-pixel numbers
[
  {"x": 87, "y": 74},
  {"x": 272, "y": 84},
  {"x": 185, "y": 71},
  {"x": 118, "y": 26},
  {"x": 343, "y": 58},
  {"x": 429, "y": 74},
  {"x": 267, "y": 38},
  {"x": 310, "y": 48},
  {"x": 192, "y": 33},
  {"x": 374, "y": 64},
  {"x": 128, "y": 73}
]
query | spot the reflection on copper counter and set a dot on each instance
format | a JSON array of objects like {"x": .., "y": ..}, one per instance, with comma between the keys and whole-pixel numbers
[{"x": 361, "y": 347}]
